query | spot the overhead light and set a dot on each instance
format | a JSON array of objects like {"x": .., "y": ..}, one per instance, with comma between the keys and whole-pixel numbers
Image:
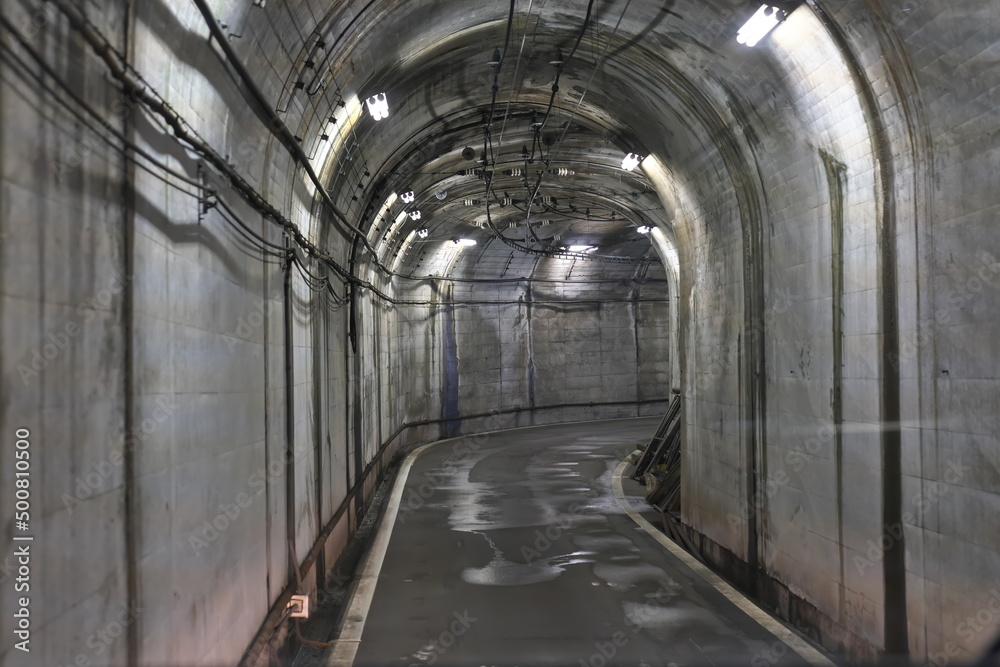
[
  {"x": 644, "y": 229},
  {"x": 761, "y": 23},
  {"x": 582, "y": 248},
  {"x": 441, "y": 194},
  {"x": 423, "y": 233},
  {"x": 465, "y": 242},
  {"x": 414, "y": 215},
  {"x": 378, "y": 106},
  {"x": 631, "y": 161},
  {"x": 408, "y": 197},
  {"x": 468, "y": 153},
  {"x": 562, "y": 171}
]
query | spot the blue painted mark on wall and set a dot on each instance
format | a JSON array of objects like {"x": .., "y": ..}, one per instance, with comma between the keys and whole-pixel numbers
[{"x": 449, "y": 398}]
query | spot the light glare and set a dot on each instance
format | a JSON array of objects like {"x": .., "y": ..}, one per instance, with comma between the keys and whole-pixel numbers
[
  {"x": 378, "y": 106},
  {"x": 761, "y": 23},
  {"x": 631, "y": 161},
  {"x": 465, "y": 242}
]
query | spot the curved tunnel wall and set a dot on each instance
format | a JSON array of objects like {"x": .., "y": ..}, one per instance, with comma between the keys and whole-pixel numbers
[{"x": 160, "y": 417}]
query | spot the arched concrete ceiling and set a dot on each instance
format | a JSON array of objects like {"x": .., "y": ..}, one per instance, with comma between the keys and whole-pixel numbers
[{"x": 664, "y": 78}]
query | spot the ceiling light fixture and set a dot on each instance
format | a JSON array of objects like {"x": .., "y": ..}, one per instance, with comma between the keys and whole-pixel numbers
[
  {"x": 423, "y": 233},
  {"x": 582, "y": 248},
  {"x": 761, "y": 23},
  {"x": 631, "y": 161},
  {"x": 414, "y": 215},
  {"x": 644, "y": 229},
  {"x": 465, "y": 242},
  {"x": 408, "y": 197},
  {"x": 378, "y": 106}
]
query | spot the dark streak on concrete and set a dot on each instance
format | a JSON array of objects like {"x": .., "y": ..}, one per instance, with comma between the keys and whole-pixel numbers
[{"x": 449, "y": 389}]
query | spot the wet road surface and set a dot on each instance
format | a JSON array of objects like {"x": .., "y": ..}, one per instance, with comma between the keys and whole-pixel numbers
[{"x": 510, "y": 549}]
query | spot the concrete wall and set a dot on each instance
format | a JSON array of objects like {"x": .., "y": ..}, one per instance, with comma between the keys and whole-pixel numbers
[
  {"x": 832, "y": 210},
  {"x": 866, "y": 190},
  {"x": 199, "y": 411}
]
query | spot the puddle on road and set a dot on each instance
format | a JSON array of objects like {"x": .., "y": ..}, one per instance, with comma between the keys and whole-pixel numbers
[{"x": 502, "y": 572}]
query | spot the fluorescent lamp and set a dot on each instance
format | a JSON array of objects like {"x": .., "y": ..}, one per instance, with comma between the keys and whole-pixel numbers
[
  {"x": 423, "y": 233},
  {"x": 414, "y": 215},
  {"x": 408, "y": 197},
  {"x": 761, "y": 23},
  {"x": 582, "y": 248},
  {"x": 631, "y": 161},
  {"x": 465, "y": 242},
  {"x": 378, "y": 106},
  {"x": 644, "y": 229}
]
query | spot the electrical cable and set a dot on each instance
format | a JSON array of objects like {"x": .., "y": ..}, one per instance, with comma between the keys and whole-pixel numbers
[
  {"x": 159, "y": 106},
  {"x": 586, "y": 89},
  {"x": 487, "y": 144},
  {"x": 134, "y": 148},
  {"x": 276, "y": 126}
]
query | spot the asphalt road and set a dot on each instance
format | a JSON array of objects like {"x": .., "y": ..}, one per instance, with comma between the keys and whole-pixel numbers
[{"x": 510, "y": 549}]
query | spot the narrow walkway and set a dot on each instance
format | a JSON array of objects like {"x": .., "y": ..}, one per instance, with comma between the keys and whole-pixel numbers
[{"x": 511, "y": 549}]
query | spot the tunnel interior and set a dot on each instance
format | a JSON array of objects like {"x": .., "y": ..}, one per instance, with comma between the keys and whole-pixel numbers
[{"x": 233, "y": 297}]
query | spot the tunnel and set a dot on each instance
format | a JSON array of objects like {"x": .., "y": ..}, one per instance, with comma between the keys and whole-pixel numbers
[{"x": 540, "y": 332}]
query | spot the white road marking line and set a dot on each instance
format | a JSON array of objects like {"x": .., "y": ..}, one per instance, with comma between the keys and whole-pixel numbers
[
  {"x": 345, "y": 647},
  {"x": 790, "y": 639}
]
